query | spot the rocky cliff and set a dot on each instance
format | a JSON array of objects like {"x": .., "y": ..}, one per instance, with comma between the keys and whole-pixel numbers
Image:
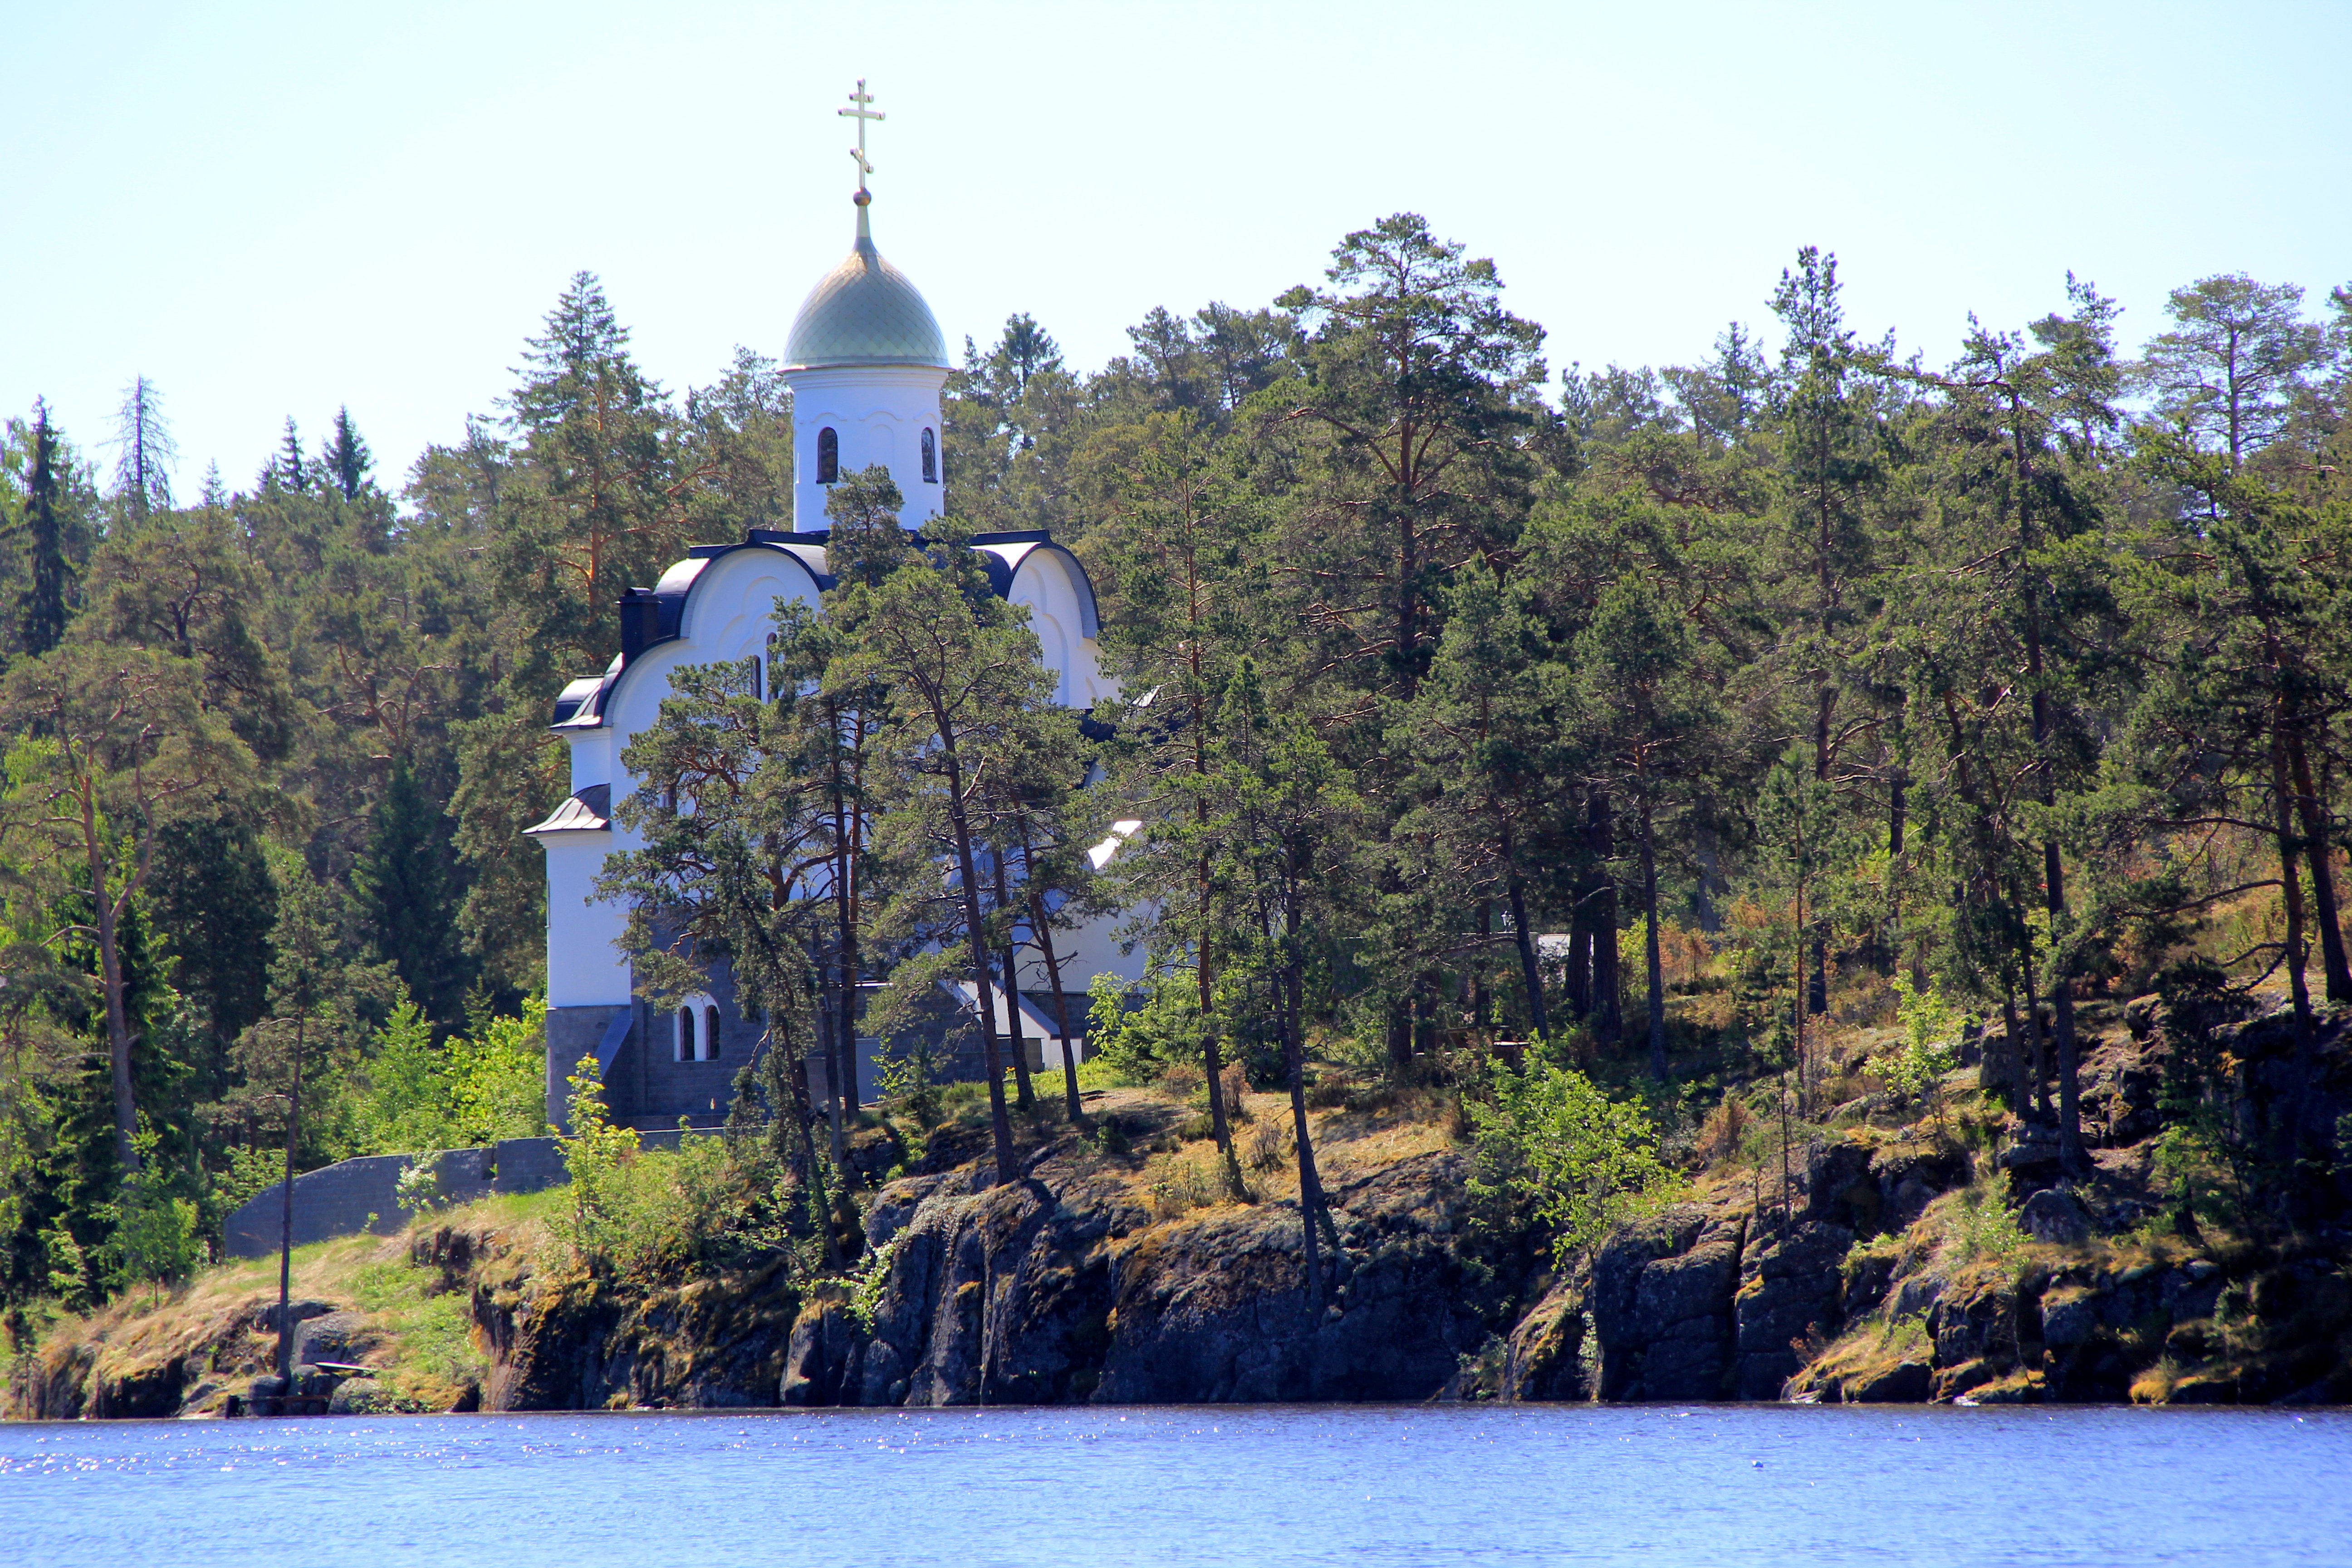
[{"x": 1894, "y": 1268}]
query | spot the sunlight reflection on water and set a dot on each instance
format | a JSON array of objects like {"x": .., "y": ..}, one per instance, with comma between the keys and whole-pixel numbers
[{"x": 1704, "y": 1484}]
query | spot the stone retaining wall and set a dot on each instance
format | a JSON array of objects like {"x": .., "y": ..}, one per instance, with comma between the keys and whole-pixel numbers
[{"x": 354, "y": 1196}]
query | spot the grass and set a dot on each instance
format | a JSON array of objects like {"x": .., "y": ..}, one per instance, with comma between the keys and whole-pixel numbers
[{"x": 422, "y": 1335}]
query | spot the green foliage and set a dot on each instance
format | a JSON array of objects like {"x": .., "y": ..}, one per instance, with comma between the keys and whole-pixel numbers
[
  {"x": 155, "y": 1233},
  {"x": 419, "y": 1190},
  {"x": 470, "y": 1090},
  {"x": 865, "y": 1292},
  {"x": 1930, "y": 1046},
  {"x": 907, "y": 1080},
  {"x": 1137, "y": 1045},
  {"x": 596, "y": 1157},
  {"x": 649, "y": 1213},
  {"x": 406, "y": 894},
  {"x": 1982, "y": 1223},
  {"x": 1583, "y": 1163}
]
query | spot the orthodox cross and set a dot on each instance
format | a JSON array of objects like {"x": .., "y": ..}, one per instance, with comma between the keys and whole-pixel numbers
[{"x": 859, "y": 111}]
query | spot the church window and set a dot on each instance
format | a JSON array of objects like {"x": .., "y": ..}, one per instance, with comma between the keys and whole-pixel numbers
[
  {"x": 931, "y": 458},
  {"x": 711, "y": 1032},
  {"x": 686, "y": 1051},
  {"x": 828, "y": 456}
]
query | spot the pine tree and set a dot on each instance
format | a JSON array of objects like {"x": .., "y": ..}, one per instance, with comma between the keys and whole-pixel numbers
[{"x": 142, "y": 438}]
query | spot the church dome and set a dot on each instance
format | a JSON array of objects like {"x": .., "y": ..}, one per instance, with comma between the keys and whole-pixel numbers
[{"x": 865, "y": 311}]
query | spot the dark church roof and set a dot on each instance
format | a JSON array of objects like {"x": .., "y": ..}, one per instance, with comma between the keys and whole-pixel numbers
[{"x": 651, "y": 616}]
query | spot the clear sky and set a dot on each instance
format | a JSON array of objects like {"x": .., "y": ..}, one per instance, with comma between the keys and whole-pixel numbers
[{"x": 276, "y": 210}]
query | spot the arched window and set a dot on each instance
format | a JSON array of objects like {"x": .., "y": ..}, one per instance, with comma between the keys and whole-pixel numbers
[
  {"x": 711, "y": 1032},
  {"x": 828, "y": 456},
  {"x": 931, "y": 458},
  {"x": 686, "y": 1052}
]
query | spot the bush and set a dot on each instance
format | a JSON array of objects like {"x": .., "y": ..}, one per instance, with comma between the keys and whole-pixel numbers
[
  {"x": 594, "y": 1155},
  {"x": 1982, "y": 1224},
  {"x": 419, "y": 1190},
  {"x": 1929, "y": 1049},
  {"x": 1585, "y": 1163},
  {"x": 1139, "y": 1040},
  {"x": 908, "y": 1083},
  {"x": 474, "y": 1088},
  {"x": 155, "y": 1228}
]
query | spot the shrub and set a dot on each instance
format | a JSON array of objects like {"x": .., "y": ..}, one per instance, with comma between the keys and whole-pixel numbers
[
  {"x": 1982, "y": 1224},
  {"x": 1185, "y": 1186},
  {"x": 1234, "y": 1083},
  {"x": 471, "y": 1089},
  {"x": 1138, "y": 1039},
  {"x": 419, "y": 1190},
  {"x": 1585, "y": 1163},
  {"x": 1179, "y": 1082},
  {"x": 155, "y": 1227},
  {"x": 1268, "y": 1146},
  {"x": 595, "y": 1152},
  {"x": 909, "y": 1084},
  {"x": 1929, "y": 1049}
]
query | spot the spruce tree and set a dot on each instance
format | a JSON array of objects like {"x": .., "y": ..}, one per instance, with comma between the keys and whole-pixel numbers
[
  {"x": 43, "y": 602},
  {"x": 346, "y": 458},
  {"x": 407, "y": 893}
]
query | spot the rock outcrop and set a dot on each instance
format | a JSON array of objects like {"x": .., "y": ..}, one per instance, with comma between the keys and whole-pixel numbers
[{"x": 1062, "y": 1288}]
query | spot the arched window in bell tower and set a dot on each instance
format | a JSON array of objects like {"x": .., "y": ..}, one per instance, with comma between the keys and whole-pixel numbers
[
  {"x": 828, "y": 456},
  {"x": 931, "y": 458}
]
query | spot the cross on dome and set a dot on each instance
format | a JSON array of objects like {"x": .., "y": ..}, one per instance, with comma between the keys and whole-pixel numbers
[{"x": 860, "y": 111}]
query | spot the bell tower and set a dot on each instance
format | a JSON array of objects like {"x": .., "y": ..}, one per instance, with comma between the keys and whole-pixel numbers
[{"x": 866, "y": 362}]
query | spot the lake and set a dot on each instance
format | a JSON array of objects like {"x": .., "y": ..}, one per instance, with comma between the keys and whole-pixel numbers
[{"x": 1317, "y": 1484}]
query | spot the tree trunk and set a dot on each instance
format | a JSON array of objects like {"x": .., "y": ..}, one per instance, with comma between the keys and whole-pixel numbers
[
  {"x": 1577, "y": 983},
  {"x": 1896, "y": 805},
  {"x": 2040, "y": 1059},
  {"x": 1061, "y": 1008},
  {"x": 976, "y": 943},
  {"x": 2013, "y": 1064},
  {"x": 1399, "y": 1040},
  {"x": 1657, "y": 972},
  {"x": 285, "y": 1212},
  {"x": 2062, "y": 1019},
  {"x": 107, "y": 917},
  {"x": 845, "y": 914},
  {"x": 1213, "y": 1059},
  {"x": 833, "y": 1054},
  {"x": 820, "y": 1197},
  {"x": 2322, "y": 856},
  {"x": 2291, "y": 885},
  {"x": 1026, "y": 1092},
  {"x": 1608, "y": 1021},
  {"x": 1482, "y": 1011},
  {"x": 1312, "y": 1211},
  {"x": 1530, "y": 970}
]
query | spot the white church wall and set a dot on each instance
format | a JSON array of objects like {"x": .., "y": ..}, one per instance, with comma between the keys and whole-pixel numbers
[
  {"x": 583, "y": 968},
  {"x": 1043, "y": 583},
  {"x": 728, "y": 615},
  {"x": 592, "y": 758},
  {"x": 879, "y": 414}
]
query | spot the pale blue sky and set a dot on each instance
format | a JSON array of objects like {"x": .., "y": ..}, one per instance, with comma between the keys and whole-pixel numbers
[{"x": 275, "y": 210}]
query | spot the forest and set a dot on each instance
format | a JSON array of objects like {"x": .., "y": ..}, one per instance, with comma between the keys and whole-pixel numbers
[{"x": 1575, "y": 741}]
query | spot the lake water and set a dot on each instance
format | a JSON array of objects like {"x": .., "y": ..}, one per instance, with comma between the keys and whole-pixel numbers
[{"x": 1712, "y": 1485}]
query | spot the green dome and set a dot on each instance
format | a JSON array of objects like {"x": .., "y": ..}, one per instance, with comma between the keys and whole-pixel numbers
[{"x": 865, "y": 311}]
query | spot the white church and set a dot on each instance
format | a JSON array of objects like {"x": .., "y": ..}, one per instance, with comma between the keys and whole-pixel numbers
[{"x": 866, "y": 362}]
